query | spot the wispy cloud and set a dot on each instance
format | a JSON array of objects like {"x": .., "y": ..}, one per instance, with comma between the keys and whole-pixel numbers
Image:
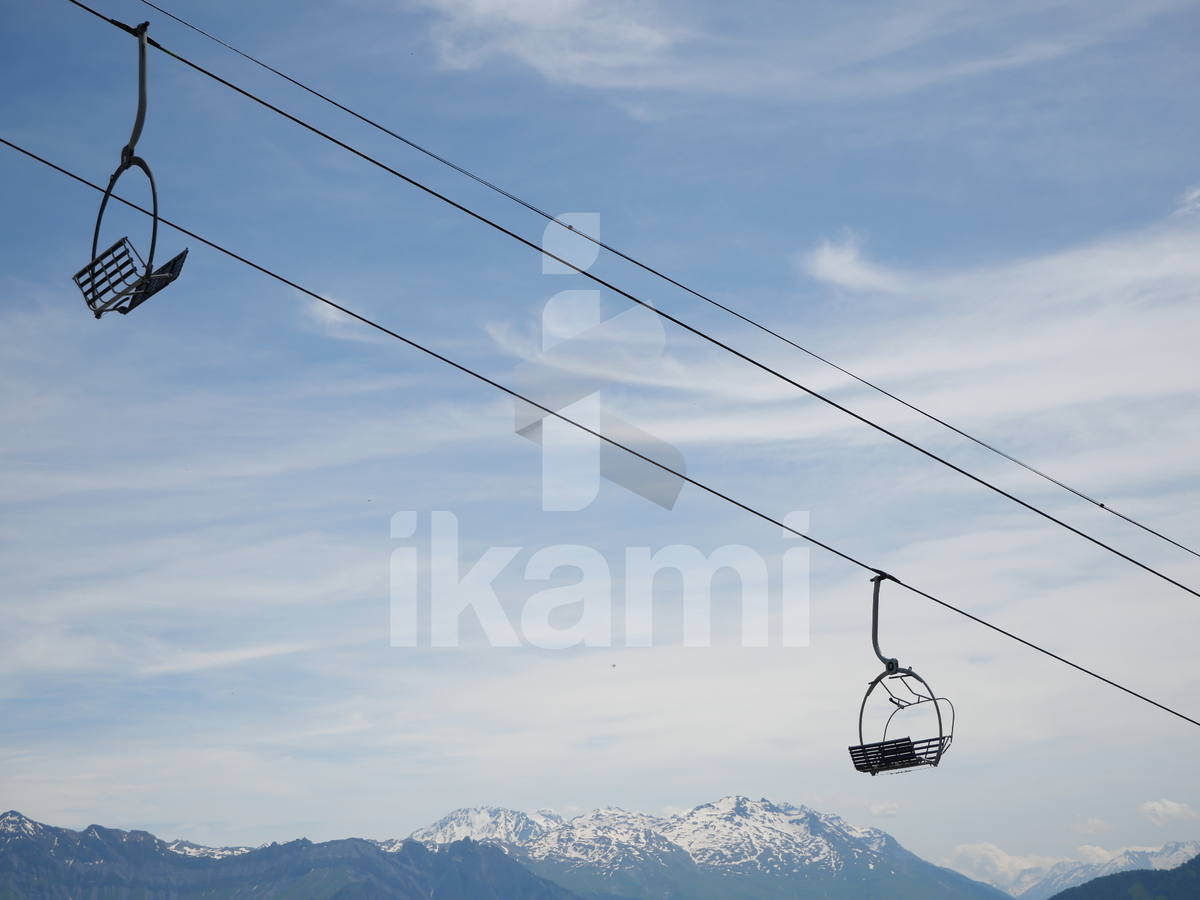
[
  {"x": 574, "y": 41},
  {"x": 1189, "y": 202},
  {"x": 843, "y": 264},
  {"x": 1091, "y": 825},
  {"x": 814, "y": 51},
  {"x": 324, "y": 319},
  {"x": 514, "y": 341},
  {"x": 215, "y": 659},
  {"x": 1164, "y": 811},
  {"x": 887, "y": 808}
]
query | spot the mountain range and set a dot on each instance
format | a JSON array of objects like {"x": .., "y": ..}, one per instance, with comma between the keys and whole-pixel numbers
[
  {"x": 1181, "y": 883},
  {"x": 732, "y": 849},
  {"x": 40, "y": 862},
  {"x": 1045, "y": 882},
  {"x": 731, "y": 836}
]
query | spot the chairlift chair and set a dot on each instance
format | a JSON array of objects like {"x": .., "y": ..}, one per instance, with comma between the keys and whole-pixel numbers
[
  {"x": 118, "y": 280},
  {"x": 905, "y": 689}
]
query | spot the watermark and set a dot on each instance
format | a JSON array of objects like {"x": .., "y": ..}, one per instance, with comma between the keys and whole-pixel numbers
[
  {"x": 581, "y": 355},
  {"x": 449, "y": 592}
]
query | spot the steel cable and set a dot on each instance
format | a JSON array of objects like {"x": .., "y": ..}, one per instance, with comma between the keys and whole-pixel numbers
[
  {"x": 667, "y": 278},
  {"x": 517, "y": 396}
]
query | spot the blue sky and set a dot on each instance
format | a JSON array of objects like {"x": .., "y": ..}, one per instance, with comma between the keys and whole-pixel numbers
[{"x": 989, "y": 209}]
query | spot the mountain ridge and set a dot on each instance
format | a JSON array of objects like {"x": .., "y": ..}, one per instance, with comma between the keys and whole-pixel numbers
[
  {"x": 986, "y": 862},
  {"x": 558, "y": 848},
  {"x": 733, "y": 847},
  {"x": 1071, "y": 874},
  {"x": 42, "y": 862},
  {"x": 1179, "y": 883}
]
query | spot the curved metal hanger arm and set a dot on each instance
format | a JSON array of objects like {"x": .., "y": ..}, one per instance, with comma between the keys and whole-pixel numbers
[
  {"x": 891, "y": 664},
  {"x": 127, "y": 153}
]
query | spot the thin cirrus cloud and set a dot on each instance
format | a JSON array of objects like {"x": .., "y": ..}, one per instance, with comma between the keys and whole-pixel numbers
[
  {"x": 818, "y": 51},
  {"x": 1091, "y": 825},
  {"x": 1164, "y": 811},
  {"x": 1043, "y": 340},
  {"x": 1189, "y": 202},
  {"x": 1117, "y": 297},
  {"x": 324, "y": 319},
  {"x": 215, "y": 659}
]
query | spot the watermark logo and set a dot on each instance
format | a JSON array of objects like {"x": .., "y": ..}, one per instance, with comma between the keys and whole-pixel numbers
[
  {"x": 581, "y": 355},
  {"x": 452, "y": 592}
]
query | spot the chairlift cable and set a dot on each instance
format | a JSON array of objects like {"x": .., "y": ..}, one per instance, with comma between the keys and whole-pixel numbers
[
  {"x": 667, "y": 278},
  {"x": 670, "y": 318},
  {"x": 515, "y": 395}
]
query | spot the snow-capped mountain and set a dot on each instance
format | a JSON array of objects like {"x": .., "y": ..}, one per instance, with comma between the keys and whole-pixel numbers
[
  {"x": 483, "y": 823},
  {"x": 731, "y": 848},
  {"x": 13, "y": 823},
  {"x": 735, "y": 834},
  {"x": 740, "y": 835},
  {"x": 1040, "y": 884}
]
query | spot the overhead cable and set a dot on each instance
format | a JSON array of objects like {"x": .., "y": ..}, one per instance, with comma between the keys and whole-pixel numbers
[
  {"x": 670, "y": 318},
  {"x": 517, "y": 396},
  {"x": 659, "y": 274}
]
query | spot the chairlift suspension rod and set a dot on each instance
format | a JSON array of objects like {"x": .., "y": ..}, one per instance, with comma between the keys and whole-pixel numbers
[
  {"x": 890, "y": 663},
  {"x": 130, "y": 148}
]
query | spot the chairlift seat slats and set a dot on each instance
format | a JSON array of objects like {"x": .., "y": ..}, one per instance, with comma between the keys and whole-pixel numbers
[
  {"x": 110, "y": 276},
  {"x": 898, "y": 753},
  {"x": 112, "y": 282}
]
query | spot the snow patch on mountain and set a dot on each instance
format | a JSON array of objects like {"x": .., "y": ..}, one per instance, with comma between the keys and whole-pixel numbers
[
  {"x": 547, "y": 818},
  {"x": 607, "y": 841},
  {"x": 187, "y": 848},
  {"x": 12, "y": 822},
  {"x": 737, "y": 834},
  {"x": 484, "y": 823}
]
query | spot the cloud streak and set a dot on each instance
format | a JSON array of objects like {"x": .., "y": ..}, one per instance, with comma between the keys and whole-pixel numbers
[
  {"x": 1164, "y": 811},
  {"x": 324, "y": 319},
  {"x": 843, "y": 265},
  {"x": 815, "y": 51}
]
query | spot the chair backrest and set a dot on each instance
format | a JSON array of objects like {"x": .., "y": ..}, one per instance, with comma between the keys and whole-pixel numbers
[{"x": 110, "y": 276}]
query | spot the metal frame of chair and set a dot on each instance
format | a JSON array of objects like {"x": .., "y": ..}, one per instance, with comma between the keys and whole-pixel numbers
[
  {"x": 898, "y": 754},
  {"x": 112, "y": 282}
]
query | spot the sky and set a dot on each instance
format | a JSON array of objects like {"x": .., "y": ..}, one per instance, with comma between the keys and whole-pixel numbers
[{"x": 990, "y": 210}]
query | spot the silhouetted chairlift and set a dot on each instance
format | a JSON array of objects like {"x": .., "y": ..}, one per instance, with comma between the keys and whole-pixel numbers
[
  {"x": 905, "y": 690},
  {"x": 113, "y": 281}
]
